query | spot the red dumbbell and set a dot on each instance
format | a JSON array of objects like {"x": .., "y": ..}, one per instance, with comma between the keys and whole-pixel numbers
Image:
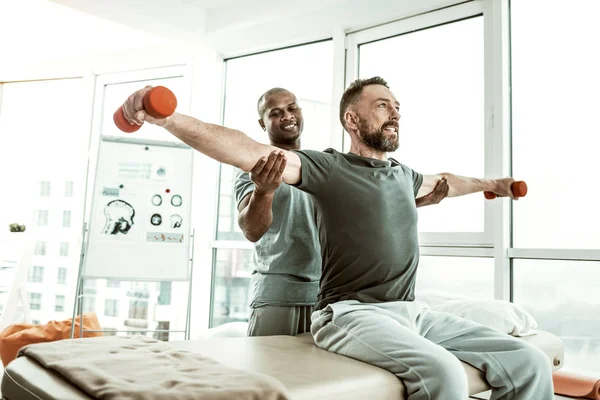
[
  {"x": 519, "y": 189},
  {"x": 159, "y": 102}
]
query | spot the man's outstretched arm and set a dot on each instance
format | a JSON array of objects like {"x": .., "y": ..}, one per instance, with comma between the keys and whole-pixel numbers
[
  {"x": 461, "y": 185},
  {"x": 225, "y": 145}
]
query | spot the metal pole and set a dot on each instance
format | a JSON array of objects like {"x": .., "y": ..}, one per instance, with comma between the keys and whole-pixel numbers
[
  {"x": 79, "y": 273},
  {"x": 81, "y": 313},
  {"x": 189, "y": 308}
]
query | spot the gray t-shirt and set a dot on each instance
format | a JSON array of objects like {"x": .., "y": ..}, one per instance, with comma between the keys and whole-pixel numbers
[
  {"x": 367, "y": 221},
  {"x": 287, "y": 258}
]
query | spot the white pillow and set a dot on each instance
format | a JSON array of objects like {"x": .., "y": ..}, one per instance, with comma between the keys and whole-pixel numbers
[{"x": 502, "y": 315}]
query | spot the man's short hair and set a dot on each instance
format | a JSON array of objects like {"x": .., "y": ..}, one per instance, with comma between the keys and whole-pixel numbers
[
  {"x": 354, "y": 91},
  {"x": 260, "y": 104}
]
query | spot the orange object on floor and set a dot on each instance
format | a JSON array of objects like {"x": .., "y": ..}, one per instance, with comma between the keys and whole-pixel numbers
[
  {"x": 14, "y": 337},
  {"x": 576, "y": 385}
]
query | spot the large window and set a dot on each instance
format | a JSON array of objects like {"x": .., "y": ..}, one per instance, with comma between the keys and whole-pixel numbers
[
  {"x": 437, "y": 75},
  {"x": 555, "y": 139},
  {"x": 41, "y": 217},
  {"x": 555, "y": 131},
  {"x": 59, "y": 305},
  {"x": 38, "y": 154},
  {"x": 435, "y": 65},
  {"x": 64, "y": 249},
  {"x": 307, "y": 71},
  {"x": 126, "y": 306},
  {"x": 35, "y": 301},
  {"x": 40, "y": 249},
  {"x": 232, "y": 293},
  {"x": 36, "y": 274},
  {"x": 68, "y": 189},
  {"x": 563, "y": 298},
  {"x": 138, "y": 309},
  {"x": 247, "y": 78},
  {"x": 116, "y": 93},
  {"x": 467, "y": 277},
  {"x": 62, "y": 275},
  {"x": 111, "y": 308},
  {"x": 45, "y": 189},
  {"x": 66, "y": 222}
]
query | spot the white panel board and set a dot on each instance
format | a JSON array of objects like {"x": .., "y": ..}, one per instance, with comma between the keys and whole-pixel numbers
[{"x": 139, "y": 227}]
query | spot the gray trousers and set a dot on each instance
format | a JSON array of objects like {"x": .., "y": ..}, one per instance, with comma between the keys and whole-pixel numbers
[
  {"x": 279, "y": 320},
  {"x": 423, "y": 348}
]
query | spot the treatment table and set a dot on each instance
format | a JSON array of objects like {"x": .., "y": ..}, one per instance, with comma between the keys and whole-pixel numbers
[{"x": 305, "y": 371}]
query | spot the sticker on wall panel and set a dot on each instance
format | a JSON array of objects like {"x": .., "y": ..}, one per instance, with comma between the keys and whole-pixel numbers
[
  {"x": 119, "y": 217},
  {"x": 164, "y": 237},
  {"x": 157, "y": 200},
  {"x": 156, "y": 219},
  {"x": 176, "y": 200},
  {"x": 135, "y": 170},
  {"x": 176, "y": 221},
  {"x": 160, "y": 172},
  {"x": 110, "y": 191}
]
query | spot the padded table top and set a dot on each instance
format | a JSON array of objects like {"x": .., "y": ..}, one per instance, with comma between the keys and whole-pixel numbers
[{"x": 307, "y": 371}]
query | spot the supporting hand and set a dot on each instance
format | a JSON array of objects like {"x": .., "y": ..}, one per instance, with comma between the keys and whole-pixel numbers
[
  {"x": 438, "y": 194},
  {"x": 267, "y": 173}
]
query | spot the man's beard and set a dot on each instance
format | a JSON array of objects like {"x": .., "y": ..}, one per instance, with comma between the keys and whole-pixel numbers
[{"x": 377, "y": 139}]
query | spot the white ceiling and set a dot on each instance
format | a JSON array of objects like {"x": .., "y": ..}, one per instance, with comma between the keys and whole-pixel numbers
[
  {"x": 183, "y": 19},
  {"x": 40, "y": 29},
  {"x": 168, "y": 19},
  {"x": 216, "y": 4},
  {"x": 229, "y": 23},
  {"x": 66, "y": 29},
  {"x": 232, "y": 16}
]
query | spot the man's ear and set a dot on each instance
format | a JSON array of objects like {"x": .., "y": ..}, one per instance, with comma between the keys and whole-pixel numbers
[
  {"x": 351, "y": 120},
  {"x": 262, "y": 124}
]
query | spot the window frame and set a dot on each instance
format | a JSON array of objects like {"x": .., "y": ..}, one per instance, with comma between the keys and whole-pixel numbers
[
  {"x": 59, "y": 306},
  {"x": 421, "y": 22},
  {"x": 35, "y": 305},
  {"x": 496, "y": 239},
  {"x": 580, "y": 254},
  {"x": 66, "y": 218},
  {"x": 36, "y": 274},
  {"x": 216, "y": 244},
  {"x": 59, "y": 276},
  {"x": 114, "y": 307}
]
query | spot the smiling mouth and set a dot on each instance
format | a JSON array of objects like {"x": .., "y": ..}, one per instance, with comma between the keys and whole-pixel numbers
[
  {"x": 391, "y": 129},
  {"x": 289, "y": 127}
]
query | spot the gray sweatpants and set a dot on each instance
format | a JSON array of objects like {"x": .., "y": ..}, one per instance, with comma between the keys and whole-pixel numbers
[
  {"x": 423, "y": 348},
  {"x": 279, "y": 320}
]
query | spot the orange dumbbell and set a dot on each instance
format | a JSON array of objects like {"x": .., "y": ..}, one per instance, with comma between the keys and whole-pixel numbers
[
  {"x": 159, "y": 102},
  {"x": 519, "y": 189}
]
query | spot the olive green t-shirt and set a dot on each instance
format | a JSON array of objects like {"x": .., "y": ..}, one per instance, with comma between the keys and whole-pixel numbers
[{"x": 367, "y": 221}]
